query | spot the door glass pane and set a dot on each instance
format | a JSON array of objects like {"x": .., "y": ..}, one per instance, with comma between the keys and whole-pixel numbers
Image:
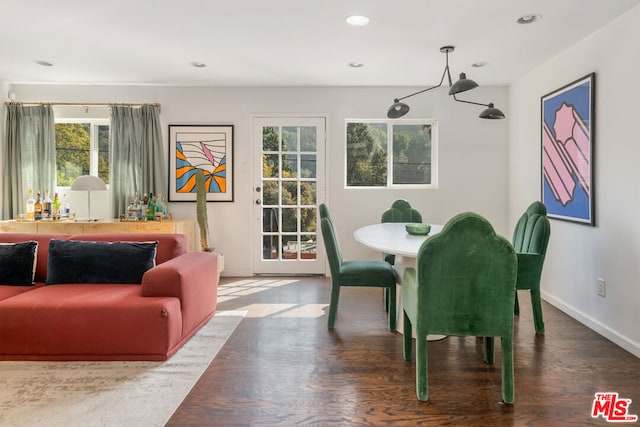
[
  {"x": 289, "y": 138},
  {"x": 290, "y": 245},
  {"x": 270, "y": 192},
  {"x": 289, "y": 219},
  {"x": 308, "y": 220},
  {"x": 270, "y": 167},
  {"x": 308, "y": 137},
  {"x": 290, "y": 193},
  {"x": 270, "y": 220},
  {"x": 308, "y": 246},
  {"x": 270, "y": 247},
  {"x": 289, "y": 166},
  {"x": 269, "y": 138},
  {"x": 308, "y": 193},
  {"x": 308, "y": 166}
]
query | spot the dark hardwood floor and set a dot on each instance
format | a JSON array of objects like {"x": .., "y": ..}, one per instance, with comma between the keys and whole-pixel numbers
[{"x": 283, "y": 367}]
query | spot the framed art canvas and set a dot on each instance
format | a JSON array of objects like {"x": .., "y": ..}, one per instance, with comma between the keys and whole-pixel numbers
[
  {"x": 567, "y": 151},
  {"x": 205, "y": 147}
]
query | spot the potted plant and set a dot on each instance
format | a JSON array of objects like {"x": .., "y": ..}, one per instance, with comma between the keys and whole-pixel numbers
[{"x": 203, "y": 220}]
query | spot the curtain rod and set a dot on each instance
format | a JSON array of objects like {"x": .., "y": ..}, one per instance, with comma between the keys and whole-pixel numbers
[{"x": 86, "y": 104}]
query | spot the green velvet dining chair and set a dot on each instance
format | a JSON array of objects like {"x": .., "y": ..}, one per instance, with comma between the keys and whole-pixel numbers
[
  {"x": 530, "y": 241},
  {"x": 371, "y": 273},
  {"x": 399, "y": 211},
  {"x": 463, "y": 285}
]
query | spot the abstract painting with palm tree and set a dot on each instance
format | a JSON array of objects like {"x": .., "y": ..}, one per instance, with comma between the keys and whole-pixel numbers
[{"x": 205, "y": 148}]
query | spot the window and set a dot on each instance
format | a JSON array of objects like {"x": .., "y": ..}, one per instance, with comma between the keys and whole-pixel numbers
[
  {"x": 382, "y": 153},
  {"x": 82, "y": 148}
]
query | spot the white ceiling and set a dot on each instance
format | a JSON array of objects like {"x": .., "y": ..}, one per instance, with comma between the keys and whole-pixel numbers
[{"x": 286, "y": 42}]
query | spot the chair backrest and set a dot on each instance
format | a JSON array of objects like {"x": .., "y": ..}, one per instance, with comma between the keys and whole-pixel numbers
[
  {"x": 532, "y": 231},
  {"x": 331, "y": 244},
  {"x": 467, "y": 279},
  {"x": 401, "y": 211}
]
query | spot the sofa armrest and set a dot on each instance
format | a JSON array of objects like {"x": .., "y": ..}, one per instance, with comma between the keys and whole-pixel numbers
[{"x": 193, "y": 279}]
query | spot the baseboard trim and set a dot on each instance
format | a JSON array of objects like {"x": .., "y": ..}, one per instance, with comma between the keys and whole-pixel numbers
[{"x": 621, "y": 340}]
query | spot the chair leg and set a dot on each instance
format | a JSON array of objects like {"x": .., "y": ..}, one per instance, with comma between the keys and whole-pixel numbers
[
  {"x": 422, "y": 386},
  {"x": 516, "y": 307},
  {"x": 536, "y": 305},
  {"x": 507, "y": 370},
  {"x": 385, "y": 296},
  {"x": 392, "y": 310},
  {"x": 489, "y": 355},
  {"x": 333, "y": 305},
  {"x": 408, "y": 338}
]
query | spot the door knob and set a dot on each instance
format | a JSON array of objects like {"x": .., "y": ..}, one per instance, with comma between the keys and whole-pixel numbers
[{"x": 258, "y": 201}]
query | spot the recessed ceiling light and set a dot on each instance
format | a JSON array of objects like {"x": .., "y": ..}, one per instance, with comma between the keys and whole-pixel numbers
[
  {"x": 198, "y": 64},
  {"x": 44, "y": 63},
  {"x": 478, "y": 64},
  {"x": 356, "y": 64},
  {"x": 529, "y": 19},
  {"x": 357, "y": 20}
]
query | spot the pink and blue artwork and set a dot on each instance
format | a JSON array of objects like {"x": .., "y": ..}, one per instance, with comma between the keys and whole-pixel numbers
[{"x": 567, "y": 151}]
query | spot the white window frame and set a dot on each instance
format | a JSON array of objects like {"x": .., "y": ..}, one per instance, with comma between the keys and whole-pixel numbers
[
  {"x": 390, "y": 123},
  {"x": 93, "y": 145}
]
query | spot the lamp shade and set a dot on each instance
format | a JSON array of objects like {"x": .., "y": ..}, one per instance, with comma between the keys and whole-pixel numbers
[
  {"x": 462, "y": 85},
  {"x": 492, "y": 113},
  {"x": 397, "y": 110},
  {"x": 88, "y": 183}
]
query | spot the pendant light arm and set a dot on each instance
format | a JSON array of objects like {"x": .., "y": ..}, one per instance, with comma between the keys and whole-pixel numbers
[
  {"x": 446, "y": 73},
  {"x": 471, "y": 102}
]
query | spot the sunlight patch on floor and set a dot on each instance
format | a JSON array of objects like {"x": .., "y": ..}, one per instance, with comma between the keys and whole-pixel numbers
[{"x": 308, "y": 311}]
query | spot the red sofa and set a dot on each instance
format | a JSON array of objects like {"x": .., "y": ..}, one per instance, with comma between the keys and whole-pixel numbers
[{"x": 150, "y": 320}]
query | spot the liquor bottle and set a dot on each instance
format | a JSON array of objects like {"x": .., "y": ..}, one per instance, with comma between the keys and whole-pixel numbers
[
  {"x": 55, "y": 207},
  {"x": 132, "y": 210},
  {"x": 161, "y": 207},
  {"x": 37, "y": 207},
  {"x": 30, "y": 206},
  {"x": 46, "y": 205},
  {"x": 151, "y": 207}
]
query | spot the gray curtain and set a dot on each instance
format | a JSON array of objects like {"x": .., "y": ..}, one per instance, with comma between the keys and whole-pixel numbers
[
  {"x": 136, "y": 156},
  {"x": 30, "y": 155}
]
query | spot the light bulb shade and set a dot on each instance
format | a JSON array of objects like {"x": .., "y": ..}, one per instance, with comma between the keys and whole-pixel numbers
[
  {"x": 397, "y": 110},
  {"x": 462, "y": 85},
  {"x": 88, "y": 183},
  {"x": 492, "y": 113}
]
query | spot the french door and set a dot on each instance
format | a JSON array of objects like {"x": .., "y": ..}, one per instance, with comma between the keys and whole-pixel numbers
[{"x": 289, "y": 185}]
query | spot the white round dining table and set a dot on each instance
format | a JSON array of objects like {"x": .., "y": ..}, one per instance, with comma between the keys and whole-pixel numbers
[{"x": 392, "y": 238}]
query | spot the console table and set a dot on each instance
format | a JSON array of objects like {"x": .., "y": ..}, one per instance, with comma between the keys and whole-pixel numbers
[{"x": 186, "y": 227}]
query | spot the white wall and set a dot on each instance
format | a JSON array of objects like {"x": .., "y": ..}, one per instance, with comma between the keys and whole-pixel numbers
[
  {"x": 579, "y": 254},
  {"x": 473, "y": 152}
]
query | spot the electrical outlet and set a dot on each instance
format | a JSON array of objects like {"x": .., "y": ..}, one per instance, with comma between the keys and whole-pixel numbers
[{"x": 602, "y": 287}]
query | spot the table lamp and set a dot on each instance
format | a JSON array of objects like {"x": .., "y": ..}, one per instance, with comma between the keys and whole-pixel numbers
[{"x": 88, "y": 183}]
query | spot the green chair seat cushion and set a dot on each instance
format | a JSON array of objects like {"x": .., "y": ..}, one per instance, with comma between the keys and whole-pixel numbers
[{"x": 367, "y": 273}]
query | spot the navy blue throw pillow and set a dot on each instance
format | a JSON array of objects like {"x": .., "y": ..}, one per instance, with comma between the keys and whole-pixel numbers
[
  {"x": 17, "y": 263},
  {"x": 74, "y": 261}
]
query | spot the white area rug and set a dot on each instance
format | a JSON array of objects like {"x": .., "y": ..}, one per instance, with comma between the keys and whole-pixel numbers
[{"x": 109, "y": 393}]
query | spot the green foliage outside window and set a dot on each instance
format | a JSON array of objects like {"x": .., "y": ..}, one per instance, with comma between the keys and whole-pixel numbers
[
  {"x": 367, "y": 151},
  {"x": 73, "y": 152}
]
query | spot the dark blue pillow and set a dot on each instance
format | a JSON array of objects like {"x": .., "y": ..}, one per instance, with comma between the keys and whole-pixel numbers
[
  {"x": 17, "y": 263},
  {"x": 74, "y": 261}
]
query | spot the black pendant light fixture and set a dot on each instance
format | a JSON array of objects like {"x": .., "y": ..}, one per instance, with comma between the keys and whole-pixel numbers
[{"x": 399, "y": 109}]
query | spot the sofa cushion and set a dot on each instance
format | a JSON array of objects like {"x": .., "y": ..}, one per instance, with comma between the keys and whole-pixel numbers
[
  {"x": 43, "y": 248},
  {"x": 169, "y": 245},
  {"x": 73, "y": 261},
  {"x": 18, "y": 263}
]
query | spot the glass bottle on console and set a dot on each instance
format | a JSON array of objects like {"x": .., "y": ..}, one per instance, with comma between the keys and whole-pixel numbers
[
  {"x": 29, "y": 214},
  {"x": 46, "y": 205},
  {"x": 55, "y": 207},
  {"x": 37, "y": 207}
]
